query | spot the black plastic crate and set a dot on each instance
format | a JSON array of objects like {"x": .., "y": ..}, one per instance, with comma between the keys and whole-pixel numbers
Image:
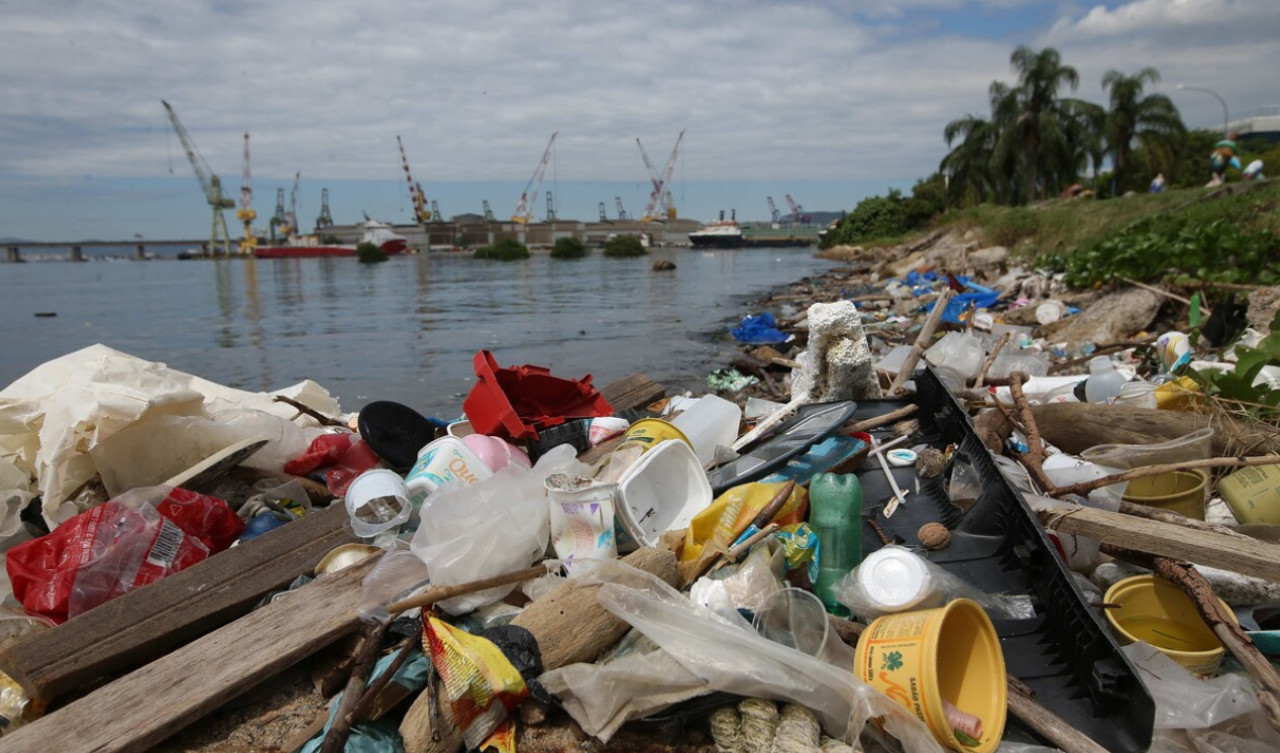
[{"x": 1065, "y": 653}]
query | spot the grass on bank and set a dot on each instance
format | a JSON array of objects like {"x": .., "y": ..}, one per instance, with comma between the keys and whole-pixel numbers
[{"x": 1206, "y": 234}]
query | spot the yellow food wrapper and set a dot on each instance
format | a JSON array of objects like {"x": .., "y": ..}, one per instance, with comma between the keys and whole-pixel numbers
[
  {"x": 503, "y": 739},
  {"x": 1180, "y": 394},
  {"x": 481, "y": 686},
  {"x": 729, "y": 515}
]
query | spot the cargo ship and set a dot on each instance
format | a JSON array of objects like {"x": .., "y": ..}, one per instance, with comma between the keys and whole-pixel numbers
[
  {"x": 378, "y": 233},
  {"x": 720, "y": 234}
]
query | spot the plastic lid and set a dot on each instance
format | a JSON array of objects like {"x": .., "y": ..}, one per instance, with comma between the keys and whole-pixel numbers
[{"x": 894, "y": 579}]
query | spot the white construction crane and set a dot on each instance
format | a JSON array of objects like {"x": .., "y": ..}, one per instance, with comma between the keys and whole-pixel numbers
[
  {"x": 245, "y": 213},
  {"x": 529, "y": 197},
  {"x": 210, "y": 183}
]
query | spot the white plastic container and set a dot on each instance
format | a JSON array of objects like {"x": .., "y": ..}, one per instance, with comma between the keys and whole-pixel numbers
[
  {"x": 897, "y": 581},
  {"x": 377, "y": 501},
  {"x": 442, "y": 461},
  {"x": 582, "y": 515},
  {"x": 661, "y": 492},
  {"x": 709, "y": 422},
  {"x": 1104, "y": 381}
]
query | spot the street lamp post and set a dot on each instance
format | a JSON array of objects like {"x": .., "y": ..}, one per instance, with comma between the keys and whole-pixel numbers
[{"x": 1216, "y": 96}]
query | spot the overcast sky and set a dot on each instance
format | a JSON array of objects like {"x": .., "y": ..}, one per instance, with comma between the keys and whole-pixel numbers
[{"x": 811, "y": 98}]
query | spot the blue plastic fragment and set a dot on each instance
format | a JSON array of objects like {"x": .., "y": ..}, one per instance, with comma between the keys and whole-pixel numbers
[{"x": 758, "y": 330}]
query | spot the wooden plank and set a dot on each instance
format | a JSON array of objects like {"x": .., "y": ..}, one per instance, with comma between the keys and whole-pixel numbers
[
  {"x": 139, "y": 710},
  {"x": 135, "y": 628},
  {"x": 632, "y": 391},
  {"x": 1239, "y": 555}
]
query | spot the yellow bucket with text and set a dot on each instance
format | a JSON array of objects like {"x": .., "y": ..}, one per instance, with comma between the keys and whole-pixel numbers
[
  {"x": 1149, "y": 608},
  {"x": 647, "y": 432},
  {"x": 921, "y": 659}
]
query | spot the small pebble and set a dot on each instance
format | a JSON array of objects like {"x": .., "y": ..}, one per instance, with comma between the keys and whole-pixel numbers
[{"x": 930, "y": 463}]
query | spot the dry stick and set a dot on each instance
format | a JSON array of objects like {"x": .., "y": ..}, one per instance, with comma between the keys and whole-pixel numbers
[
  {"x": 1084, "y": 487},
  {"x": 884, "y": 420},
  {"x": 1021, "y": 700},
  {"x": 336, "y": 739},
  {"x": 1201, "y": 593},
  {"x": 710, "y": 556},
  {"x": 323, "y": 419},
  {"x": 361, "y": 711},
  {"x": 777, "y": 361},
  {"x": 1034, "y": 457},
  {"x": 440, "y": 593},
  {"x": 1203, "y": 308},
  {"x": 991, "y": 359},
  {"x": 926, "y": 334}
]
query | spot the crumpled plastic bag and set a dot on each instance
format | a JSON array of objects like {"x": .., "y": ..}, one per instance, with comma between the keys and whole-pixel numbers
[
  {"x": 1184, "y": 701},
  {"x": 53, "y": 418},
  {"x": 728, "y": 655},
  {"x": 498, "y": 525},
  {"x": 758, "y": 330},
  {"x": 105, "y": 552}
]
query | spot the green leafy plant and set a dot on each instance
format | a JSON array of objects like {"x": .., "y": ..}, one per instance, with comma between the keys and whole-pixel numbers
[
  {"x": 1237, "y": 385},
  {"x": 505, "y": 249},
  {"x": 624, "y": 245},
  {"x": 370, "y": 254},
  {"x": 568, "y": 248}
]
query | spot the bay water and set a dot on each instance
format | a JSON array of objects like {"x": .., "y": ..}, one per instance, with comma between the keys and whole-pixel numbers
[{"x": 406, "y": 330}]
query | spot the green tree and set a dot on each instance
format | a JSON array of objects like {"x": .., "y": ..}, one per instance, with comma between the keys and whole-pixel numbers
[
  {"x": 505, "y": 249},
  {"x": 568, "y": 248},
  {"x": 1041, "y": 127},
  {"x": 1152, "y": 121},
  {"x": 624, "y": 245}
]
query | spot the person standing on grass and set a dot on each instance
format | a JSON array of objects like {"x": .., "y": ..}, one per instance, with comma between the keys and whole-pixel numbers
[{"x": 1225, "y": 154}]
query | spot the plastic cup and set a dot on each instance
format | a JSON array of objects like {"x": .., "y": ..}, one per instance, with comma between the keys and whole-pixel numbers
[
  {"x": 1152, "y": 610},
  {"x": 376, "y": 501},
  {"x": 661, "y": 492}
]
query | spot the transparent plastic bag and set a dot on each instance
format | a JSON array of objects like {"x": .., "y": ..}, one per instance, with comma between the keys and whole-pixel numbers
[
  {"x": 398, "y": 575},
  {"x": 1184, "y": 701},
  {"x": 1197, "y": 445},
  {"x": 728, "y": 655},
  {"x": 896, "y": 579}
]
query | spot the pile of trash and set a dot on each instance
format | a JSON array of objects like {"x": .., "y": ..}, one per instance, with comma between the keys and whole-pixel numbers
[{"x": 899, "y": 521}]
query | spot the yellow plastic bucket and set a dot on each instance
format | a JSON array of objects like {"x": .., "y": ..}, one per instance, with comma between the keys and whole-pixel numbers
[
  {"x": 1149, "y": 608},
  {"x": 951, "y": 653},
  {"x": 1179, "y": 491},
  {"x": 647, "y": 432}
]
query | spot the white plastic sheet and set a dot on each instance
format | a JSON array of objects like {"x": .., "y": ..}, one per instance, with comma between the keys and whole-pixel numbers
[{"x": 55, "y": 420}]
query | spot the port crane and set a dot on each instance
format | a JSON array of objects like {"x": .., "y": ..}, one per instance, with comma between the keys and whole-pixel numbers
[
  {"x": 551, "y": 208},
  {"x": 622, "y": 213},
  {"x": 290, "y": 226},
  {"x": 435, "y": 212},
  {"x": 774, "y": 215},
  {"x": 488, "y": 212},
  {"x": 210, "y": 183},
  {"x": 658, "y": 195},
  {"x": 529, "y": 197},
  {"x": 603, "y": 217},
  {"x": 325, "y": 220},
  {"x": 245, "y": 213},
  {"x": 420, "y": 213},
  {"x": 797, "y": 212},
  {"x": 278, "y": 220}
]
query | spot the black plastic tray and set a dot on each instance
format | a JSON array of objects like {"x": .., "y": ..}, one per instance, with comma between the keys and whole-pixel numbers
[{"x": 1065, "y": 653}]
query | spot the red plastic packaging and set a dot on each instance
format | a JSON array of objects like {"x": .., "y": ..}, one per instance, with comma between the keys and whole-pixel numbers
[
  {"x": 96, "y": 556},
  {"x": 207, "y": 518},
  {"x": 345, "y": 456},
  {"x": 517, "y": 401}
]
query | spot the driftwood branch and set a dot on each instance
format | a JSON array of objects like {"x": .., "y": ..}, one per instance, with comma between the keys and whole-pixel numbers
[
  {"x": 303, "y": 409},
  {"x": 991, "y": 359},
  {"x": 440, "y": 593},
  {"x": 336, "y": 738},
  {"x": 1084, "y": 487},
  {"x": 922, "y": 341},
  {"x": 1033, "y": 458}
]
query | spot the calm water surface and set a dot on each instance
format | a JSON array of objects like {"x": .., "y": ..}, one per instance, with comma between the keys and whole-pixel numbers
[{"x": 406, "y": 330}]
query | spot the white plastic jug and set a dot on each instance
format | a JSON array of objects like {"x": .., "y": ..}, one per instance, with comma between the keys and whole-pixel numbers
[
  {"x": 1104, "y": 381},
  {"x": 708, "y": 422}
]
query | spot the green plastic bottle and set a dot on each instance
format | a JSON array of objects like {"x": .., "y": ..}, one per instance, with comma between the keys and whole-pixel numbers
[{"x": 835, "y": 515}]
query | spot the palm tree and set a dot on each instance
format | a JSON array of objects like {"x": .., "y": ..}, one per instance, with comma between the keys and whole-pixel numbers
[
  {"x": 1153, "y": 120},
  {"x": 1039, "y": 128},
  {"x": 980, "y": 167}
]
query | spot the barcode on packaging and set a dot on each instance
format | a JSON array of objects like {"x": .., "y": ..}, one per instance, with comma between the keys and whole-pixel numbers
[{"x": 165, "y": 548}]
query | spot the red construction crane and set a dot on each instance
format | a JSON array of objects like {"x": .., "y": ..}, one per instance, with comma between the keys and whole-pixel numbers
[
  {"x": 420, "y": 213},
  {"x": 529, "y": 197},
  {"x": 657, "y": 197}
]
